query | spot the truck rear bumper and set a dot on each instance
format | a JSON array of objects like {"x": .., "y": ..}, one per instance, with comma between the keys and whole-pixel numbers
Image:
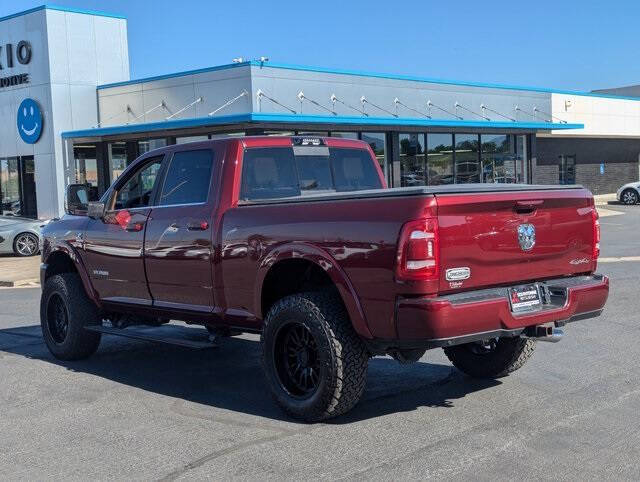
[{"x": 464, "y": 317}]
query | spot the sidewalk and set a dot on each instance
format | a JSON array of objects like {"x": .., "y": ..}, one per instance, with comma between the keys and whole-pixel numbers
[
  {"x": 604, "y": 199},
  {"x": 16, "y": 271}
]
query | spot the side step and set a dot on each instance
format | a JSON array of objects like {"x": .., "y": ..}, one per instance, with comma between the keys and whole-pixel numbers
[{"x": 195, "y": 338}]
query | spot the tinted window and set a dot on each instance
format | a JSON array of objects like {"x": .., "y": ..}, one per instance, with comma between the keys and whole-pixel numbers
[
  {"x": 137, "y": 191},
  {"x": 353, "y": 170},
  {"x": 188, "y": 178},
  {"x": 314, "y": 174},
  {"x": 271, "y": 173}
]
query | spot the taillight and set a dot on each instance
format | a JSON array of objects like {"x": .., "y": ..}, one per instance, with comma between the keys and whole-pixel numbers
[
  {"x": 596, "y": 235},
  {"x": 418, "y": 251}
]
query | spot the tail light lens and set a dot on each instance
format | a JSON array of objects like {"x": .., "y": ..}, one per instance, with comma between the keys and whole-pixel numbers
[
  {"x": 596, "y": 235},
  {"x": 418, "y": 251}
]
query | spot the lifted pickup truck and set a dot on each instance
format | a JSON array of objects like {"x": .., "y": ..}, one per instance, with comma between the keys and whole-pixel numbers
[{"x": 299, "y": 239}]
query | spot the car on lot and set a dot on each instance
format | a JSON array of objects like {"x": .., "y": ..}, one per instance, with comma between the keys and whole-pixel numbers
[
  {"x": 629, "y": 193},
  {"x": 298, "y": 239},
  {"x": 20, "y": 236}
]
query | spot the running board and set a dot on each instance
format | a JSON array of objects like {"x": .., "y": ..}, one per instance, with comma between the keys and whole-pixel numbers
[{"x": 195, "y": 338}]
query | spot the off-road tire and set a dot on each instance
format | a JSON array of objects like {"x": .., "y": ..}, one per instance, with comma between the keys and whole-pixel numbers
[
  {"x": 342, "y": 356},
  {"x": 629, "y": 197},
  {"x": 77, "y": 343},
  {"x": 508, "y": 355}
]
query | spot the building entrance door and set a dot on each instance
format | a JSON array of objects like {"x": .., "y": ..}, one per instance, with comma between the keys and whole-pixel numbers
[{"x": 18, "y": 187}]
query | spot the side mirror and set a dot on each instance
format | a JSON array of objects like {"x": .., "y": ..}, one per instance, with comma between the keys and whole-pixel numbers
[
  {"x": 95, "y": 210},
  {"x": 78, "y": 197}
]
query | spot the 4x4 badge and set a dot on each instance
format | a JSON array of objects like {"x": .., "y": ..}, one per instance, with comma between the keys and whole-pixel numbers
[{"x": 526, "y": 236}]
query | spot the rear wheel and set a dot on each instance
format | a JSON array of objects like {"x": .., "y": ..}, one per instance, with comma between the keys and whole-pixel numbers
[
  {"x": 629, "y": 196},
  {"x": 492, "y": 358},
  {"x": 65, "y": 310},
  {"x": 314, "y": 361},
  {"x": 26, "y": 244}
]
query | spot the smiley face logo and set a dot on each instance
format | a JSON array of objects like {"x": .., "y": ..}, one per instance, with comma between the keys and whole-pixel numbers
[{"x": 29, "y": 121}]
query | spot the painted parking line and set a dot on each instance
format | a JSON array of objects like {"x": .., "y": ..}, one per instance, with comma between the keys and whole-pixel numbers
[{"x": 618, "y": 259}]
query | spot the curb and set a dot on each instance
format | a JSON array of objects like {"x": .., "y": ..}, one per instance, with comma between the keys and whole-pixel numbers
[{"x": 30, "y": 282}]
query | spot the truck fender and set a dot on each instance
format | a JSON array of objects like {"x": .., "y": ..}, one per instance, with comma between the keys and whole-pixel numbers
[
  {"x": 68, "y": 250},
  {"x": 323, "y": 260}
]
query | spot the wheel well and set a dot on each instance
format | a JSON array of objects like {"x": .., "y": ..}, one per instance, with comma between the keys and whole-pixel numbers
[
  {"x": 292, "y": 276},
  {"x": 59, "y": 263}
]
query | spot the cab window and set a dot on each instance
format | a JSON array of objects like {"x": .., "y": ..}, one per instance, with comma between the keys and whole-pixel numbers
[
  {"x": 138, "y": 189},
  {"x": 188, "y": 178}
]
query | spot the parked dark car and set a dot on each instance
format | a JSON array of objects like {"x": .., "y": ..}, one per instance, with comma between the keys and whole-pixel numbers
[{"x": 299, "y": 240}]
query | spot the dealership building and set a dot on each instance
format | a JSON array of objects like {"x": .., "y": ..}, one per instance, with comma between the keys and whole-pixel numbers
[{"x": 69, "y": 112}]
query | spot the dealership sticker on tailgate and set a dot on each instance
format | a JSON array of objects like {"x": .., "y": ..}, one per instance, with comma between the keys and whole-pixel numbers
[{"x": 524, "y": 298}]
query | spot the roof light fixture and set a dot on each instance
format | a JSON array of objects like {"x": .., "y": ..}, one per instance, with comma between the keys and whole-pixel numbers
[
  {"x": 180, "y": 111},
  {"x": 302, "y": 97},
  {"x": 484, "y": 107},
  {"x": 397, "y": 102},
  {"x": 335, "y": 99},
  {"x": 458, "y": 105},
  {"x": 431, "y": 104},
  {"x": 260, "y": 95},
  {"x": 228, "y": 103},
  {"x": 364, "y": 101}
]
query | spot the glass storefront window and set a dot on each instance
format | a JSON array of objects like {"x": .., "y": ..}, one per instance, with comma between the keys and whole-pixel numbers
[
  {"x": 439, "y": 159},
  {"x": 467, "y": 163},
  {"x": 412, "y": 160},
  {"x": 313, "y": 133},
  {"x": 344, "y": 135},
  {"x": 522, "y": 159},
  {"x": 377, "y": 142},
  {"x": 9, "y": 187},
  {"x": 184, "y": 140},
  {"x": 86, "y": 165},
  {"x": 224, "y": 135},
  {"x": 117, "y": 159},
  {"x": 150, "y": 144},
  {"x": 498, "y": 159}
]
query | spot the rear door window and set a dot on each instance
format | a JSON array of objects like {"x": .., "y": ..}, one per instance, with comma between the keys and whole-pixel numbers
[
  {"x": 188, "y": 178},
  {"x": 278, "y": 172}
]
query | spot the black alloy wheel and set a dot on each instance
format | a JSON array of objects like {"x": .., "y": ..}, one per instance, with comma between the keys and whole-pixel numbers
[
  {"x": 57, "y": 318},
  {"x": 297, "y": 361}
]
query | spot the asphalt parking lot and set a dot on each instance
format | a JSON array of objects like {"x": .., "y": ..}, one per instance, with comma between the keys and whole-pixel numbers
[{"x": 143, "y": 411}]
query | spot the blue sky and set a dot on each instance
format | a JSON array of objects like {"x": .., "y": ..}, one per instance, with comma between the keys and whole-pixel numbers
[{"x": 581, "y": 45}]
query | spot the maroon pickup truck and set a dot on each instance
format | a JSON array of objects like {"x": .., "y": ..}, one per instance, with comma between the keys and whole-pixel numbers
[{"x": 299, "y": 239}]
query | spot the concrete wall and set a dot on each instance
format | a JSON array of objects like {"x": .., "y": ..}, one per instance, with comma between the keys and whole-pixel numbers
[{"x": 64, "y": 71}]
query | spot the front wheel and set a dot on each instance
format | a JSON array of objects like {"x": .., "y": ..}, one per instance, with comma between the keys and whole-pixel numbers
[
  {"x": 629, "y": 197},
  {"x": 65, "y": 310},
  {"x": 314, "y": 361},
  {"x": 492, "y": 358},
  {"x": 26, "y": 244}
]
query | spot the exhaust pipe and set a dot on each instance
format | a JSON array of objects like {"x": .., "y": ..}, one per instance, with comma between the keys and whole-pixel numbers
[{"x": 544, "y": 333}]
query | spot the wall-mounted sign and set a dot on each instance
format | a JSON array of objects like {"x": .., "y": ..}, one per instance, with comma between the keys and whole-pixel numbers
[
  {"x": 602, "y": 168},
  {"x": 8, "y": 56},
  {"x": 22, "y": 54},
  {"x": 29, "y": 121}
]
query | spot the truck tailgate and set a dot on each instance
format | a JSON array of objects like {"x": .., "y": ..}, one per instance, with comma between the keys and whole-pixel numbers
[{"x": 480, "y": 232}]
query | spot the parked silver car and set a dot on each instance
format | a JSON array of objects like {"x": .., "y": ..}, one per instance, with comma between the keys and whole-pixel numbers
[
  {"x": 629, "y": 193},
  {"x": 20, "y": 236}
]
